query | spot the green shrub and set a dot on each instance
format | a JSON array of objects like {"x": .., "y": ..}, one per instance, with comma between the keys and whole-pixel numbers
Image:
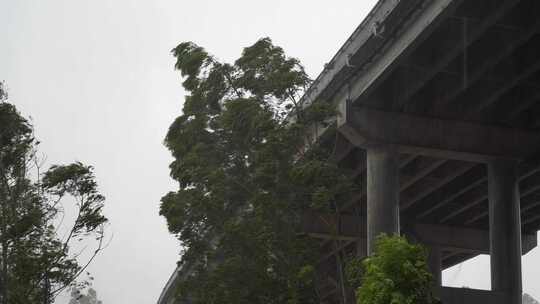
[{"x": 396, "y": 273}]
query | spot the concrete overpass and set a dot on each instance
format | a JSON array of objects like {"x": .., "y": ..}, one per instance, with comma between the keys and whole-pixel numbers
[
  {"x": 169, "y": 293},
  {"x": 439, "y": 124}
]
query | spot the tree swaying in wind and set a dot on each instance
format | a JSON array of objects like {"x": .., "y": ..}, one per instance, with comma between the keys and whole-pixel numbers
[
  {"x": 36, "y": 263},
  {"x": 246, "y": 175}
]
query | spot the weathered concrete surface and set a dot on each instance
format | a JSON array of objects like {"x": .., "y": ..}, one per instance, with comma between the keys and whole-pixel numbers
[
  {"x": 435, "y": 264},
  {"x": 450, "y": 295},
  {"x": 382, "y": 193},
  {"x": 450, "y": 238},
  {"x": 505, "y": 229},
  {"x": 435, "y": 137}
]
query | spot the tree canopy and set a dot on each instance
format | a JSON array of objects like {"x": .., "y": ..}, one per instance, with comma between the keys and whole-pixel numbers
[
  {"x": 245, "y": 176},
  {"x": 396, "y": 273},
  {"x": 36, "y": 261}
]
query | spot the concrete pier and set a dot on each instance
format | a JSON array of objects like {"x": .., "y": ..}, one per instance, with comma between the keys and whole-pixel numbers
[
  {"x": 435, "y": 265},
  {"x": 505, "y": 229},
  {"x": 382, "y": 193},
  {"x": 399, "y": 87}
]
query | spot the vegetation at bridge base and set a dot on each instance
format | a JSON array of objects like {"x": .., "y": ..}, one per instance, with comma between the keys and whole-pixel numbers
[
  {"x": 36, "y": 263},
  {"x": 246, "y": 175},
  {"x": 396, "y": 273}
]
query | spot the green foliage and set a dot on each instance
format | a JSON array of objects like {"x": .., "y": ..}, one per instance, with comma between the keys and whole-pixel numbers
[
  {"x": 36, "y": 263},
  {"x": 77, "y": 297},
  {"x": 78, "y": 181},
  {"x": 244, "y": 177},
  {"x": 353, "y": 271},
  {"x": 3, "y": 92},
  {"x": 396, "y": 273},
  {"x": 267, "y": 72}
]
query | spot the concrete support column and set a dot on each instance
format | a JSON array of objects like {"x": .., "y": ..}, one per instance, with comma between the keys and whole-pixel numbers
[
  {"x": 361, "y": 248},
  {"x": 434, "y": 264},
  {"x": 382, "y": 193},
  {"x": 505, "y": 229}
]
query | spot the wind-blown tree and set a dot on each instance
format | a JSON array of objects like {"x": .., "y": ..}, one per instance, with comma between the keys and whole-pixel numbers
[
  {"x": 246, "y": 176},
  {"x": 36, "y": 263}
]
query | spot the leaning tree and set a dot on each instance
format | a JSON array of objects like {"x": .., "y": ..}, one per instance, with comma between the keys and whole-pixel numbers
[
  {"x": 37, "y": 261},
  {"x": 246, "y": 174}
]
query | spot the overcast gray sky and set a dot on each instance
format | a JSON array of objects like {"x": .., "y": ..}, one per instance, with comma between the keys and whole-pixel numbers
[{"x": 97, "y": 78}]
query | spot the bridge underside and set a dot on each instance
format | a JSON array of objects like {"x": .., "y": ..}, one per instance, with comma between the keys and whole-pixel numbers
[{"x": 438, "y": 102}]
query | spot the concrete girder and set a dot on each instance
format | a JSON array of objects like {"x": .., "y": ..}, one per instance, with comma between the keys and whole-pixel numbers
[
  {"x": 459, "y": 34},
  {"x": 448, "y": 172},
  {"x": 450, "y": 295},
  {"x": 529, "y": 186},
  {"x": 436, "y": 137},
  {"x": 476, "y": 68},
  {"x": 469, "y": 182},
  {"x": 463, "y": 239},
  {"x": 410, "y": 37},
  {"x": 473, "y": 191},
  {"x": 350, "y": 228}
]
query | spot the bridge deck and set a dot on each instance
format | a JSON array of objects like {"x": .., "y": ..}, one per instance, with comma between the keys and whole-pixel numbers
[{"x": 468, "y": 61}]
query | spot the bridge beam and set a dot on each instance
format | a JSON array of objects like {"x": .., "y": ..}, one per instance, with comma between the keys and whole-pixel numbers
[
  {"x": 448, "y": 238},
  {"x": 435, "y": 137},
  {"x": 450, "y": 295}
]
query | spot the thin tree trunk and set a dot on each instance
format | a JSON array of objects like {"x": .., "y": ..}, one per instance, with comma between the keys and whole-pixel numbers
[
  {"x": 1, "y": 286},
  {"x": 3, "y": 229},
  {"x": 4, "y": 287},
  {"x": 47, "y": 291},
  {"x": 3, "y": 270}
]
